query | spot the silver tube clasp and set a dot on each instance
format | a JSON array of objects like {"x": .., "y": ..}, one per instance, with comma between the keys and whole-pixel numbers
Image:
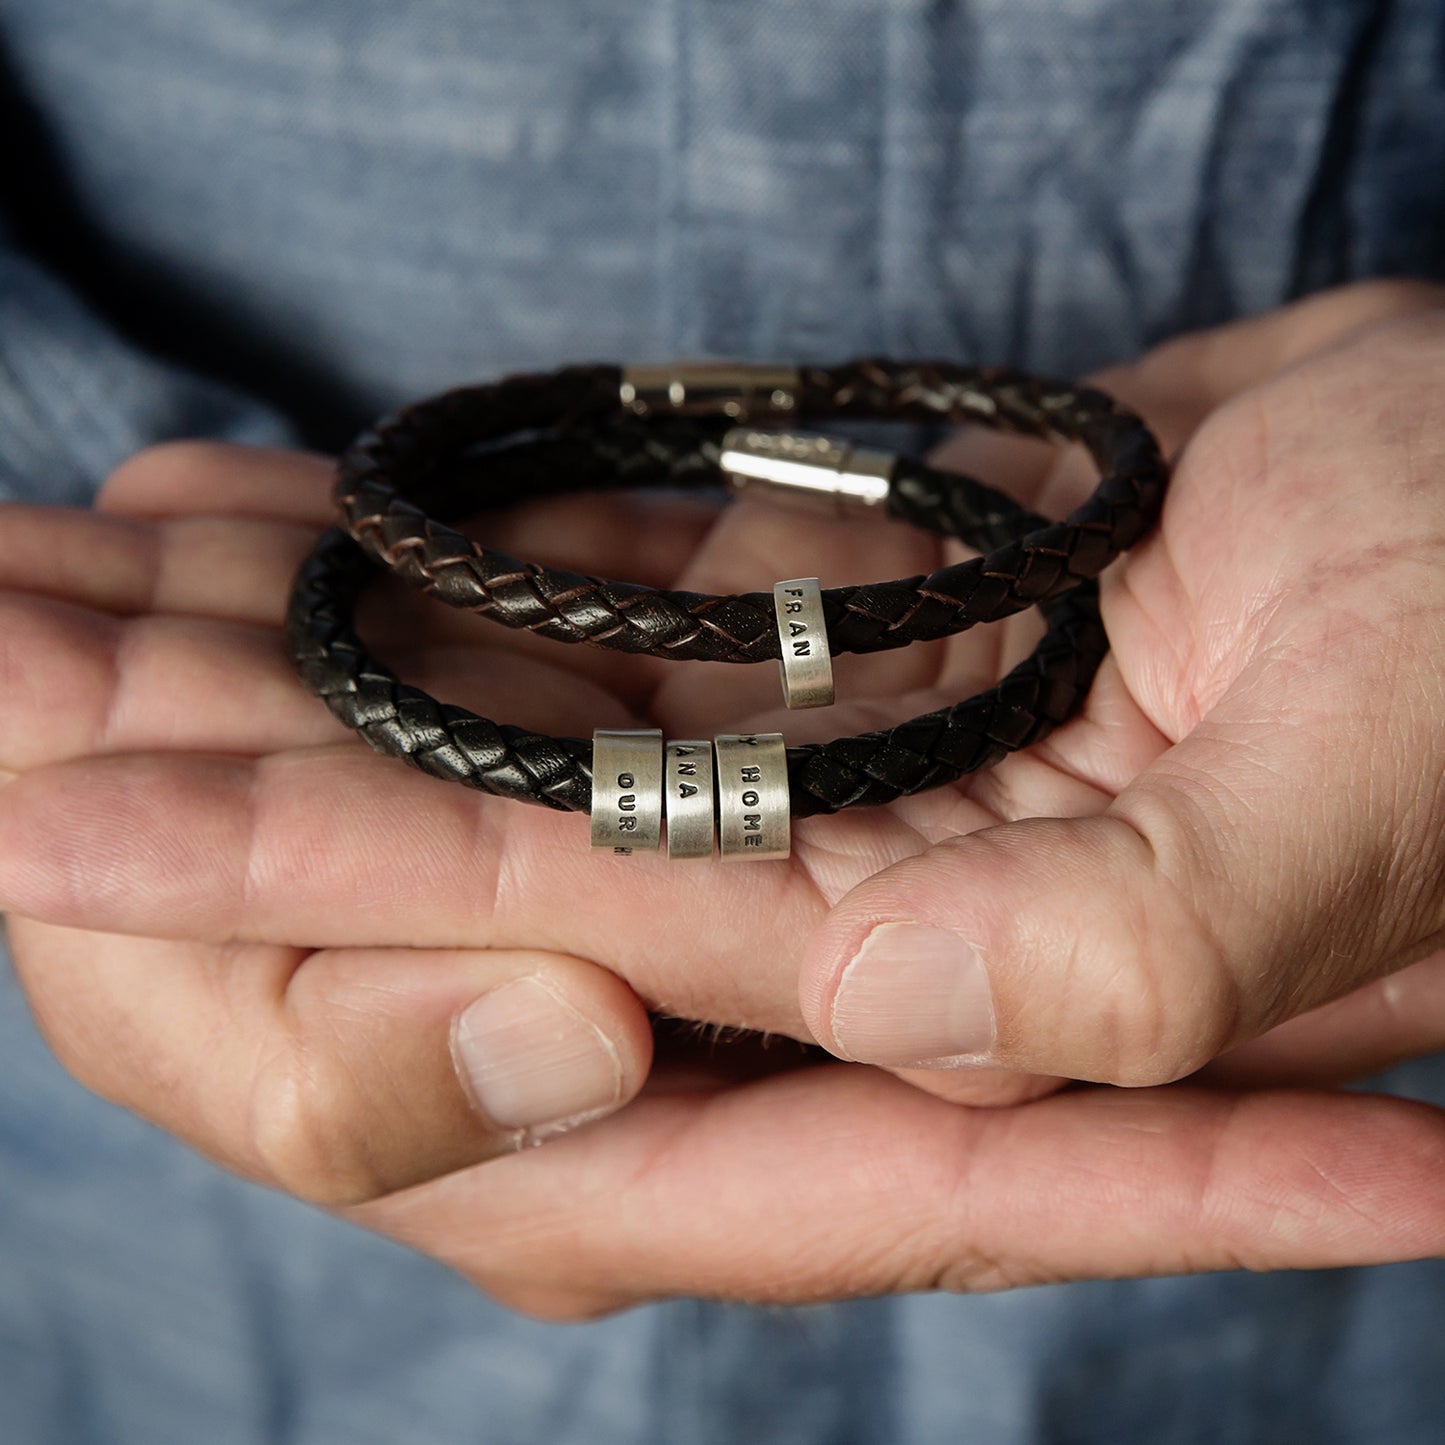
[
  {"x": 710, "y": 388},
  {"x": 804, "y": 470}
]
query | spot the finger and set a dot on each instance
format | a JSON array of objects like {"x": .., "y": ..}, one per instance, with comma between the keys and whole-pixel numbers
[
  {"x": 233, "y": 569},
  {"x": 1079, "y": 769},
  {"x": 77, "y": 682},
  {"x": 221, "y": 479},
  {"x": 242, "y": 571},
  {"x": 644, "y": 538},
  {"x": 836, "y": 1183},
  {"x": 339, "y": 1075},
  {"x": 199, "y": 566},
  {"x": 1175, "y": 385},
  {"x": 1388, "y": 1022},
  {"x": 337, "y": 847},
  {"x": 170, "y": 567}
]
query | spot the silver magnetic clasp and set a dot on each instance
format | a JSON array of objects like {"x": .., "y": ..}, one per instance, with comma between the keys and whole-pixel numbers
[
  {"x": 801, "y": 469},
  {"x": 710, "y": 388}
]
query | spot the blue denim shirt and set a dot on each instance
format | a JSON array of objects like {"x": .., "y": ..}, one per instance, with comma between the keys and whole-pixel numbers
[{"x": 266, "y": 219}]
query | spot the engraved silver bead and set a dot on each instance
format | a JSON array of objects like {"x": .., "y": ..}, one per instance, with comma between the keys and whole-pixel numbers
[
  {"x": 689, "y": 798},
  {"x": 627, "y": 790},
  {"x": 754, "y": 818},
  {"x": 806, "y": 663}
]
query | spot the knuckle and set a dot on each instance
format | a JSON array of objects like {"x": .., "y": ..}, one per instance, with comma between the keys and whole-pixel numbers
[
  {"x": 304, "y": 1132},
  {"x": 978, "y": 1272},
  {"x": 1162, "y": 1030},
  {"x": 1163, "y": 1041},
  {"x": 1161, "y": 996}
]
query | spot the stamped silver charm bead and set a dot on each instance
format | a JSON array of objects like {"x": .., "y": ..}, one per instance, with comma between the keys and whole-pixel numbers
[
  {"x": 806, "y": 664},
  {"x": 689, "y": 799},
  {"x": 627, "y": 790},
  {"x": 753, "y": 814}
]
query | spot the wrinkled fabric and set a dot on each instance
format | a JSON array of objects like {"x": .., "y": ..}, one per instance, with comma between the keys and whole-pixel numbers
[
  {"x": 336, "y": 204},
  {"x": 266, "y": 219}
]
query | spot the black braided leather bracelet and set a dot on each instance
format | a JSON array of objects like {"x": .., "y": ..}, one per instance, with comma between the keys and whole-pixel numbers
[
  {"x": 771, "y": 782},
  {"x": 385, "y": 480}
]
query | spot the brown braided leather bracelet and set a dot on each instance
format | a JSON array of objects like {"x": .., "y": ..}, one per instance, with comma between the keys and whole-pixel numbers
[
  {"x": 386, "y": 476},
  {"x": 563, "y": 773}
]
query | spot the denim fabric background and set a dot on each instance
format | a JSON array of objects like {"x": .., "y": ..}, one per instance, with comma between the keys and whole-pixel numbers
[{"x": 265, "y": 219}]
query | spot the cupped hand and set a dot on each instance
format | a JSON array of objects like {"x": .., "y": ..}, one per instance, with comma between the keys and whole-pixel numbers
[
  {"x": 1249, "y": 824},
  {"x": 233, "y": 918}
]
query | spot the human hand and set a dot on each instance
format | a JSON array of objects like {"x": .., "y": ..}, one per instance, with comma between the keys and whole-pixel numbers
[
  {"x": 1249, "y": 823},
  {"x": 357, "y": 1099}
]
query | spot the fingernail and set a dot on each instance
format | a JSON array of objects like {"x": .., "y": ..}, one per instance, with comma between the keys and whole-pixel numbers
[
  {"x": 914, "y": 994},
  {"x": 531, "y": 1061}
]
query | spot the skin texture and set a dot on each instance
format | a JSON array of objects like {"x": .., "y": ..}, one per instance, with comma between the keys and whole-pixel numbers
[{"x": 232, "y": 918}]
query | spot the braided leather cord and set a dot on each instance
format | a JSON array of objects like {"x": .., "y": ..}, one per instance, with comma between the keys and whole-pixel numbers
[
  {"x": 403, "y": 721},
  {"x": 673, "y": 454},
  {"x": 872, "y": 768},
  {"x": 389, "y": 470}
]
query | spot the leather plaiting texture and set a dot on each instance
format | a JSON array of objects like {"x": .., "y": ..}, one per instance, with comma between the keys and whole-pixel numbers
[
  {"x": 384, "y": 476},
  {"x": 872, "y": 768}
]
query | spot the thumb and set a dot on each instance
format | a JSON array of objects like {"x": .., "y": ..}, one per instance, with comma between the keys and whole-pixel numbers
[
  {"x": 1048, "y": 945},
  {"x": 1231, "y": 886},
  {"x": 338, "y": 1075}
]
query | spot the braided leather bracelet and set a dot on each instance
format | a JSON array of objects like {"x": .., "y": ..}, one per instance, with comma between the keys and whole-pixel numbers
[
  {"x": 386, "y": 476},
  {"x": 771, "y": 781}
]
